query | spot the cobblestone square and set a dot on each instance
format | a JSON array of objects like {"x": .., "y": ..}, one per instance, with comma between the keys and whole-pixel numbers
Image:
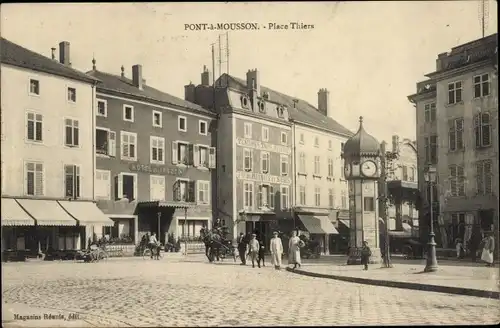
[{"x": 173, "y": 292}]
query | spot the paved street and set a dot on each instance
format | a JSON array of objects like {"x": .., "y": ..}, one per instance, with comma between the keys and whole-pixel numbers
[{"x": 176, "y": 293}]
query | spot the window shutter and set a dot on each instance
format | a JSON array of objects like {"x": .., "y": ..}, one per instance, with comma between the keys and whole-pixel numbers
[
  {"x": 270, "y": 195},
  {"x": 196, "y": 154},
  {"x": 119, "y": 186},
  {"x": 199, "y": 192},
  {"x": 479, "y": 177},
  {"x": 176, "y": 191},
  {"x": 38, "y": 129},
  {"x": 39, "y": 179},
  {"x": 259, "y": 197},
  {"x": 175, "y": 150},
  {"x": 251, "y": 159},
  {"x": 77, "y": 181},
  {"x": 211, "y": 158},
  {"x": 69, "y": 132},
  {"x": 452, "y": 135},
  {"x": 161, "y": 188},
  {"x": 191, "y": 191},
  {"x": 125, "y": 145},
  {"x": 112, "y": 143}
]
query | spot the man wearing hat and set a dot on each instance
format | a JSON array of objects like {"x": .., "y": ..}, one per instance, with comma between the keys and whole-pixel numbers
[
  {"x": 253, "y": 249},
  {"x": 276, "y": 248}
]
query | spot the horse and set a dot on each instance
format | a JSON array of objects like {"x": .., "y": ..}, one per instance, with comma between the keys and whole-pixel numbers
[{"x": 216, "y": 245}]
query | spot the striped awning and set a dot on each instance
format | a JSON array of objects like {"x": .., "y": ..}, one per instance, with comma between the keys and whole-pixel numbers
[
  {"x": 14, "y": 215},
  {"x": 317, "y": 224},
  {"x": 168, "y": 204},
  {"x": 47, "y": 212},
  {"x": 86, "y": 213},
  {"x": 347, "y": 223}
]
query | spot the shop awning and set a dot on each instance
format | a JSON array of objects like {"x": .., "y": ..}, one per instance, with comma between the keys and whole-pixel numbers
[
  {"x": 86, "y": 213},
  {"x": 14, "y": 215},
  {"x": 47, "y": 212},
  {"x": 318, "y": 224},
  {"x": 347, "y": 223}
]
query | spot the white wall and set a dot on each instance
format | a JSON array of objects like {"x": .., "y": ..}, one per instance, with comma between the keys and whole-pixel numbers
[
  {"x": 337, "y": 182},
  {"x": 53, "y": 105}
]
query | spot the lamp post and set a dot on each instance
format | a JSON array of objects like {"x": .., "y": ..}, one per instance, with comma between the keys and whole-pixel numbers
[
  {"x": 431, "y": 264},
  {"x": 185, "y": 227},
  {"x": 159, "y": 218}
]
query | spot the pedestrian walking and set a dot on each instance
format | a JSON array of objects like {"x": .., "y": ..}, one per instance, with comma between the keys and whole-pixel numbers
[
  {"x": 474, "y": 241},
  {"x": 459, "y": 247},
  {"x": 253, "y": 249},
  {"x": 365, "y": 255},
  {"x": 294, "y": 250},
  {"x": 262, "y": 250},
  {"x": 488, "y": 248},
  {"x": 242, "y": 248},
  {"x": 276, "y": 248}
]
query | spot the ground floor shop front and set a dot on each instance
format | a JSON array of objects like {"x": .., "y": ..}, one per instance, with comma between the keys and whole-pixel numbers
[
  {"x": 318, "y": 226},
  {"x": 40, "y": 226}
]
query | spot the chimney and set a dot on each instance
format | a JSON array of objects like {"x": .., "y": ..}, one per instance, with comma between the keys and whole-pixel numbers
[
  {"x": 324, "y": 102},
  {"x": 190, "y": 92},
  {"x": 53, "y": 53},
  {"x": 440, "y": 61},
  {"x": 137, "y": 80},
  {"x": 253, "y": 81},
  {"x": 206, "y": 77},
  {"x": 395, "y": 144},
  {"x": 64, "y": 53}
]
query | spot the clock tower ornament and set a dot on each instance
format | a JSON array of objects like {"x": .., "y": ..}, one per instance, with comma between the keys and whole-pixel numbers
[{"x": 361, "y": 155}]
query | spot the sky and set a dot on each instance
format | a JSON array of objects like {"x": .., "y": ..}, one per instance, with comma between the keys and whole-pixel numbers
[{"x": 369, "y": 55}]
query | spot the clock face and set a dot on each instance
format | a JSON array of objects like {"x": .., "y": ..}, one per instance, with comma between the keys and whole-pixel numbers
[
  {"x": 369, "y": 168},
  {"x": 347, "y": 170}
]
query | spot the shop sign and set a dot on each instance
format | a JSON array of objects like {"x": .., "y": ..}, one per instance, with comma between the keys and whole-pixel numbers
[
  {"x": 263, "y": 146},
  {"x": 156, "y": 169},
  {"x": 263, "y": 178}
]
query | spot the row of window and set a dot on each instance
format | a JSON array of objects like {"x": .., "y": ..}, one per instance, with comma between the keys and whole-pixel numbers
[
  {"x": 265, "y": 158},
  {"x": 248, "y": 133},
  {"x": 34, "y": 177},
  {"x": 182, "y": 152},
  {"x": 482, "y": 132},
  {"x": 303, "y": 200},
  {"x": 156, "y": 118},
  {"x": 484, "y": 179},
  {"x": 481, "y": 88},
  {"x": 35, "y": 90},
  {"x": 125, "y": 186},
  {"x": 265, "y": 196},
  {"x": 34, "y": 129},
  {"x": 302, "y": 169},
  {"x": 482, "y": 136}
]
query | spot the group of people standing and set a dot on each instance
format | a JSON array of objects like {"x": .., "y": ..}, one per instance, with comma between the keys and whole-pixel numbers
[
  {"x": 482, "y": 244},
  {"x": 255, "y": 249}
]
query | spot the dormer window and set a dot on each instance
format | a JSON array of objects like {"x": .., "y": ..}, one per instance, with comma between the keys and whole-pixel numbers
[
  {"x": 244, "y": 101},
  {"x": 262, "y": 106},
  {"x": 281, "y": 111}
]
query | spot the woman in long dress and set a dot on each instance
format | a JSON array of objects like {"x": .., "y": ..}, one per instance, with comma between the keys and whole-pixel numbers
[
  {"x": 488, "y": 248},
  {"x": 294, "y": 250}
]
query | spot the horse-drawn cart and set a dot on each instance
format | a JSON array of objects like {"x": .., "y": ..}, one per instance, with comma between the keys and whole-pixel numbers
[{"x": 217, "y": 244}]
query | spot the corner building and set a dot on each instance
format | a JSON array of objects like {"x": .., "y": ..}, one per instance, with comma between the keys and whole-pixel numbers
[
  {"x": 463, "y": 109},
  {"x": 155, "y": 158},
  {"x": 254, "y": 159}
]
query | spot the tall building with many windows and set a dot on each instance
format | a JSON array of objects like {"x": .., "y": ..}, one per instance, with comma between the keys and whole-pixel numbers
[
  {"x": 254, "y": 164},
  {"x": 457, "y": 119},
  {"x": 279, "y": 163},
  {"x": 321, "y": 190},
  {"x": 155, "y": 158},
  {"x": 47, "y": 152}
]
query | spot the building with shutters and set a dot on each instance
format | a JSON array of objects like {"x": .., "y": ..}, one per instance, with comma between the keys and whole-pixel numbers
[
  {"x": 457, "y": 119},
  {"x": 254, "y": 165},
  {"x": 259, "y": 187},
  {"x": 47, "y": 152},
  {"x": 155, "y": 157}
]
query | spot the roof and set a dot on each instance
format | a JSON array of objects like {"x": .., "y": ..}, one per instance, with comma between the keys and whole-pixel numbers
[
  {"x": 361, "y": 144},
  {"x": 303, "y": 112},
  {"x": 14, "y": 54},
  {"x": 125, "y": 86}
]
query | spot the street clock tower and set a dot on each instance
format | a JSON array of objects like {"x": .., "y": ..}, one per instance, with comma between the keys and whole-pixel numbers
[{"x": 361, "y": 156}]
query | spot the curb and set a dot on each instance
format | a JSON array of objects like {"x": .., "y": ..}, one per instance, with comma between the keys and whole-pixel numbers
[{"x": 404, "y": 285}]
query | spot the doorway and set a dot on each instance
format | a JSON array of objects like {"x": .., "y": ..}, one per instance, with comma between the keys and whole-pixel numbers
[{"x": 486, "y": 220}]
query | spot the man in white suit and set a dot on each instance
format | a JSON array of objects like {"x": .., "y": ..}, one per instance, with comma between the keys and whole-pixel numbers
[{"x": 276, "y": 248}]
